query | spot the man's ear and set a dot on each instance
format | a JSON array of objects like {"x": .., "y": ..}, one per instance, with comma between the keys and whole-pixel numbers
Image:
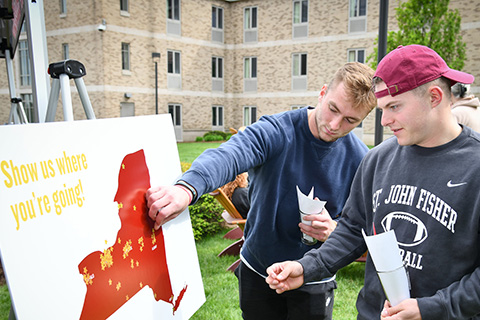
[
  {"x": 436, "y": 95},
  {"x": 322, "y": 93}
]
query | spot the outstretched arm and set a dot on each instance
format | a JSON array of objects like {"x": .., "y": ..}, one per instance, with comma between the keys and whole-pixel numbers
[
  {"x": 284, "y": 276},
  {"x": 166, "y": 202}
]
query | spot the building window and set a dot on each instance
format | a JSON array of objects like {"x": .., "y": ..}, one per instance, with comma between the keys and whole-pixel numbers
[
  {"x": 300, "y": 18},
  {"x": 27, "y": 101},
  {"x": 250, "y": 68},
  {"x": 125, "y": 56},
  {"x": 65, "y": 51},
  {"x": 299, "y": 71},
  {"x": 217, "y": 74},
  {"x": 173, "y": 17},
  {"x": 249, "y": 115},
  {"x": 174, "y": 78},
  {"x": 250, "y": 74},
  {"x": 25, "y": 71},
  {"x": 173, "y": 60},
  {"x": 217, "y": 24},
  {"x": 124, "y": 5},
  {"x": 356, "y": 55},
  {"x": 173, "y": 9},
  {"x": 357, "y": 16},
  {"x": 217, "y": 117},
  {"x": 175, "y": 111},
  {"x": 217, "y": 67},
  {"x": 217, "y": 17},
  {"x": 250, "y": 24},
  {"x": 299, "y": 64},
  {"x": 63, "y": 7}
]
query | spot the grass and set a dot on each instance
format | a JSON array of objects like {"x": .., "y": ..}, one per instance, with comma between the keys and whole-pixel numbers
[
  {"x": 221, "y": 287},
  {"x": 189, "y": 151}
]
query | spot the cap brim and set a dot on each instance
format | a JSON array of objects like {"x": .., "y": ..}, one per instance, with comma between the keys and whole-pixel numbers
[{"x": 459, "y": 76}]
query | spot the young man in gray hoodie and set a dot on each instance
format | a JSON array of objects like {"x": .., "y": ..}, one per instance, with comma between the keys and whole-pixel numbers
[{"x": 424, "y": 184}]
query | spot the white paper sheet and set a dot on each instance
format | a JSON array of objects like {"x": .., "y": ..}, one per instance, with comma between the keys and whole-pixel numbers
[
  {"x": 383, "y": 248},
  {"x": 308, "y": 205}
]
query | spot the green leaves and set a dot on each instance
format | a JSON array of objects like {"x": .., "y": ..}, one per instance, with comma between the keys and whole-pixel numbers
[{"x": 429, "y": 23}]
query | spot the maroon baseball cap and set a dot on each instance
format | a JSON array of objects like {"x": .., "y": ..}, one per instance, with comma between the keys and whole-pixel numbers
[{"x": 408, "y": 67}]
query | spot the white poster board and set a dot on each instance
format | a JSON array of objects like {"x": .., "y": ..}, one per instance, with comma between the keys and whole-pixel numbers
[{"x": 75, "y": 240}]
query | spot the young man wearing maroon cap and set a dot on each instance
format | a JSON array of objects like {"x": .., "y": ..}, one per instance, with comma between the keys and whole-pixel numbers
[{"x": 424, "y": 184}]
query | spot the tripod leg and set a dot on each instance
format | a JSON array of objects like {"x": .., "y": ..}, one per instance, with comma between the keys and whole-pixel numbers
[
  {"x": 82, "y": 91},
  {"x": 53, "y": 101},
  {"x": 21, "y": 113},
  {"x": 66, "y": 98}
]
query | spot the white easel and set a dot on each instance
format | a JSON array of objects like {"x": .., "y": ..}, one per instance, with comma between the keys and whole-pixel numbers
[{"x": 61, "y": 72}]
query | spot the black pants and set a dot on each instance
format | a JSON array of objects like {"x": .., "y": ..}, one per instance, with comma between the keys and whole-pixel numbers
[{"x": 258, "y": 301}]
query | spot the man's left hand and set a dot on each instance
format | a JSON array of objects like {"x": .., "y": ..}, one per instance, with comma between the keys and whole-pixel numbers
[
  {"x": 322, "y": 225},
  {"x": 405, "y": 310}
]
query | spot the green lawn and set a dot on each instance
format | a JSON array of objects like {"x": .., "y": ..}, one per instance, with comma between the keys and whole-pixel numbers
[
  {"x": 189, "y": 151},
  {"x": 221, "y": 287}
]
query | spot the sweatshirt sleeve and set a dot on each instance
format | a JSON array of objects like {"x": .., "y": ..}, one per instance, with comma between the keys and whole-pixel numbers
[{"x": 460, "y": 300}]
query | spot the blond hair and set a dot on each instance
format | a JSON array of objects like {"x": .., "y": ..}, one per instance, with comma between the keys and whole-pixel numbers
[{"x": 357, "y": 79}]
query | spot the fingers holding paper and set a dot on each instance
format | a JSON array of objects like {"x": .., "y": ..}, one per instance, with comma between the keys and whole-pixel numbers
[
  {"x": 284, "y": 276},
  {"x": 405, "y": 310},
  {"x": 321, "y": 228}
]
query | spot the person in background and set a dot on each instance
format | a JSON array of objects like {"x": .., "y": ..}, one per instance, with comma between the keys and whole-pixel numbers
[
  {"x": 424, "y": 184},
  {"x": 308, "y": 147},
  {"x": 237, "y": 192},
  {"x": 465, "y": 107}
]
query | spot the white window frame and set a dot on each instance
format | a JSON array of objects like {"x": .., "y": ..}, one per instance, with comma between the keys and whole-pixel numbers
[
  {"x": 217, "y": 73},
  {"x": 357, "y": 22},
  {"x": 124, "y": 5},
  {"x": 217, "y": 117},
  {"x": 248, "y": 63},
  {"x": 249, "y": 112},
  {"x": 174, "y": 11},
  {"x": 63, "y": 7},
  {"x": 126, "y": 56},
  {"x": 174, "y": 56},
  {"x": 250, "y": 74},
  {"x": 25, "y": 71},
  {"x": 217, "y": 24},
  {"x": 27, "y": 102},
  {"x": 174, "y": 17},
  {"x": 175, "y": 111},
  {"x": 299, "y": 71},
  {"x": 174, "y": 69},
  {"x": 355, "y": 55},
  {"x": 300, "y": 27},
  {"x": 217, "y": 67},
  {"x": 250, "y": 24}
]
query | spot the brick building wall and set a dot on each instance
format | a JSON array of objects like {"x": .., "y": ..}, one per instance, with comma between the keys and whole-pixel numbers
[{"x": 144, "y": 28}]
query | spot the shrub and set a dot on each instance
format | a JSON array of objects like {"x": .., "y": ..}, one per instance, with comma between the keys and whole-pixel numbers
[
  {"x": 199, "y": 139},
  {"x": 213, "y": 137},
  {"x": 206, "y": 217}
]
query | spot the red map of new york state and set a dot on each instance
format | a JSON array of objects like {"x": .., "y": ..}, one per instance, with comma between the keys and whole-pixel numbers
[{"x": 137, "y": 258}]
